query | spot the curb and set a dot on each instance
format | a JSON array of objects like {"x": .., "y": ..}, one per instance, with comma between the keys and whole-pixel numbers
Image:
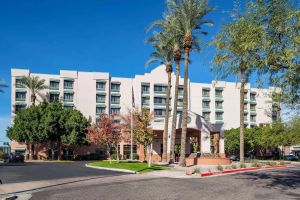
[
  {"x": 241, "y": 170},
  {"x": 112, "y": 169}
]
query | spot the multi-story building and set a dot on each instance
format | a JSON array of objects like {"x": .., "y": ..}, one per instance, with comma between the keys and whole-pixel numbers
[{"x": 213, "y": 107}]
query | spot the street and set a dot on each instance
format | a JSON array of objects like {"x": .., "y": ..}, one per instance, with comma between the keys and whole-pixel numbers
[
  {"x": 52, "y": 181},
  {"x": 265, "y": 184}
]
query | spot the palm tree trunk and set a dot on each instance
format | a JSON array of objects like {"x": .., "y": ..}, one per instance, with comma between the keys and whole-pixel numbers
[
  {"x": 33, "y": 98},
  {"x": 174, "y": 119},
  {"x": 242, "y": 94},
  {"x": 166, "y": 127},
  {"x": 185, "y": 107}
]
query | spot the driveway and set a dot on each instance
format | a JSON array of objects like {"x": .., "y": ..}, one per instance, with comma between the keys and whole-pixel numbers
[
  {"x": 274, "y": 184},
  {"x": 25, "y": 176}
]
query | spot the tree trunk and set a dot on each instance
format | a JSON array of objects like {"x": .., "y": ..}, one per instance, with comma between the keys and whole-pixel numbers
[
  {"x": 108, "y": 153},
  {"x": 59, "y": 154},
  {"x": 174, "y": 119},
  {"x": 30, "y": 151},
  {"x": 117, "y": 153},
  {"x": 145, "y": 153},
  {"x": 165, "y": 134},
  {"x": 185, "y": 108},
  {"x": 150, "y": 155},
  {"x": 33, "y": 98},
  {"x": 242, "y": 94}
]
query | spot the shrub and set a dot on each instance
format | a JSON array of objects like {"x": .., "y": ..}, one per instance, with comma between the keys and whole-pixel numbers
[
  {"x": 209, "y": 170},
  {"x": 220, "y": 168},
  {"x": 197, "y": 170},
  {"x": 233, "y": 166},
  {"x": 270, "y": 163},
  {"x": 281, "y": 162},
  {"x": 242, "y": 165},
  {"x": 256, "y": 164}
]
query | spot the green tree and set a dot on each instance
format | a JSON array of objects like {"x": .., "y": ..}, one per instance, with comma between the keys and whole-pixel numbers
[
  {"x": 27, "y": 127},
  {"x": 143, "y": 132},
  {"x": 238, "y": 50},
  {"x": 34, "y": 84},
  {"x": 189, "y": 16},
  {"x": 163, "y": 54},
  {"x": 64, "y": 127},
  {"x": 281, "y": 21}
]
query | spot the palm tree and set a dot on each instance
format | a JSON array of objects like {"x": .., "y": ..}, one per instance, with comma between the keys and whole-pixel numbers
[
  {"x": 2, "y": 86},
  {"x": 189, "y": 15},
  {"x": 163, "y": 55},
  {"x": 34, "y": 84}
]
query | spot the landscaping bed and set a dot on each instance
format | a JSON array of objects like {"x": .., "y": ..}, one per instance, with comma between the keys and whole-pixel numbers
[
  {"x": 234, "y": 168},
  {"x": 134, "y": 166}
]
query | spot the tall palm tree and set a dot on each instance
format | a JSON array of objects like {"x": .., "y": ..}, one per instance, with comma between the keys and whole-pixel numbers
[
  {"x": 163, "y": 55},
  {"x": 174, "y": 40},
  {"x": 34, "y": 84},
  {"x": 189, "y": 15},
  {"x": 2, "y": 86}
]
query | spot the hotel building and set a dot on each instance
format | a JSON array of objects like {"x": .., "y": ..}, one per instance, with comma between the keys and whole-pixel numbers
[{"x": 212, "y": 107}]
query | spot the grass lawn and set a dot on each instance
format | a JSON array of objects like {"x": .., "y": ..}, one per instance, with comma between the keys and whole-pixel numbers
[{"x": 133, "y": 166}]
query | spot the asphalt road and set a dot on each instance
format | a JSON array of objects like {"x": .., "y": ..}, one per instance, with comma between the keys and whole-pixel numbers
[
  {"x": 266, "y": 184},
  {"x": 26, "y": 172}
]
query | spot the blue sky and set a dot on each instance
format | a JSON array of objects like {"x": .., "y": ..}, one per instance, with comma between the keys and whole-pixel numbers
[{"x": 94, "y": 35}]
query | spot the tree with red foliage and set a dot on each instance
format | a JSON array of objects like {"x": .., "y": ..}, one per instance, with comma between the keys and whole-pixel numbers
[{"x": 105, "y": 132}]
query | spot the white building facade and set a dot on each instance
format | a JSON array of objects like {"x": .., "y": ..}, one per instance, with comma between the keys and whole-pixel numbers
[{"x": 213, "y": 107}]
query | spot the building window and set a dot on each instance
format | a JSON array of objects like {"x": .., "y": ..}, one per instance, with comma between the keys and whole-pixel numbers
[
  {"x": 117, "y": 121},
  {"x": 115, "y": 111},
  {"x": 253, "y": 118},
  {"x": 159, "y": 112},
  {"x": 219, "y": 93},
  {"x": 100, "y": 110},
  {"x": 180, "y": 102},
  {"x": 115, "y": 99},
  {"x": 115, "y": 87},
  {"x": 205, "y": 92},
  {"x": 245, "y": 106},
  {"x": 180, "y": 90},
  {"x": 68, "y": 106},
  {"x": 205, "y": 104},
  {"x": 219, "y": 116},
  {"x": 245, "y": 117},
  {"x": 68, "y": 84},
  {"x": 19, "y": 83},
  {"x": 160, "y": 89},
  {"x": 159, "y": 101},
  {"x": 100, "y": 98},
  {"x": 100, "y": 85},
  {"x": 252, "y": 97},
  {"x": 252, "y": 107},
  {"x": 54, "y": 85},
  {"x": 18, "y": 108},
  {"x": 127, "y": 151},
  {"x": 145, "y": 88},
  {"x": 246, "y": 94},
  {"x": 68, "y": 97},
  {"x": 54, "y": 97},
  {"x": 20, "y": 96},
  {"x": 145, "y": 101},
  {"x": 219, "y": 105},
  {"x": 206, "y": 116}
]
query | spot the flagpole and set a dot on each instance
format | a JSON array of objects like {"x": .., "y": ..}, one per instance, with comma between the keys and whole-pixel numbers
[{"x": 131, "y": 124}]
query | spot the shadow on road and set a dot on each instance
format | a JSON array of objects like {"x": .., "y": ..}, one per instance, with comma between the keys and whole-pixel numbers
[{"x": 284, "y": 180}]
